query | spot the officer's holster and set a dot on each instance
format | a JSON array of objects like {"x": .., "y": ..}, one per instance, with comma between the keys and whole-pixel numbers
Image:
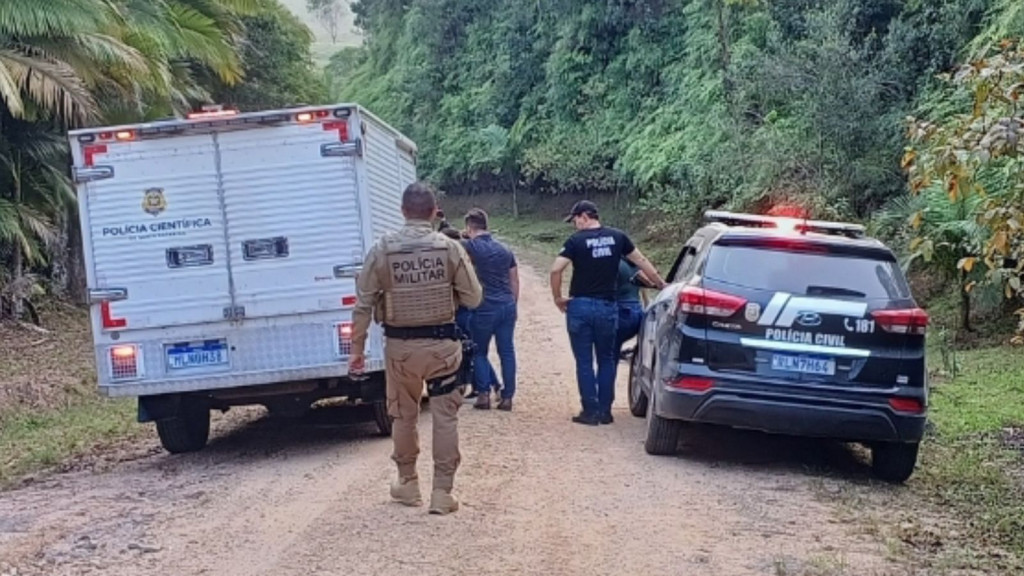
[{"x": 464, "y": 375}]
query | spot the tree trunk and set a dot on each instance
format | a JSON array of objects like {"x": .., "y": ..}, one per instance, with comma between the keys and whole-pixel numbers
[
  {"x": 18, "y": 308},
  {"x": 965, "y": 304},
  {"x": 515, "y": 198}
]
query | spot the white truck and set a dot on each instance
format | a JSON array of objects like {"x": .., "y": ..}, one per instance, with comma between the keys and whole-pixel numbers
[{"x": 221, "y": 253}]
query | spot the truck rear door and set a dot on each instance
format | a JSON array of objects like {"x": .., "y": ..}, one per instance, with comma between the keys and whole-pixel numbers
[
  {"x": 294, "y": 227},
  {"x": 156, "y": 234}
]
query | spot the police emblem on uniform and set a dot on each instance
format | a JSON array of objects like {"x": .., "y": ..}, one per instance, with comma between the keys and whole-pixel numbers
[
  {"x": 753, "y": 312},
  {"x": 153, "y": 201}
]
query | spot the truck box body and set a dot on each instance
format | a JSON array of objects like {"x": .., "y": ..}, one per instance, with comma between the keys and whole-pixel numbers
[{"x": 221, "y": 251}]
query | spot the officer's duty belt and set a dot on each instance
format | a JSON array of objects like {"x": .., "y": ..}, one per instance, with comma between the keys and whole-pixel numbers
[{"x": 439, "y": 332}]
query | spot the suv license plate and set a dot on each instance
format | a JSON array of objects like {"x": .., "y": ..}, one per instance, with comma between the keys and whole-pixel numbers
[
  {"x": 197, "y": 355},
  {"x": 804, "y": 364}
]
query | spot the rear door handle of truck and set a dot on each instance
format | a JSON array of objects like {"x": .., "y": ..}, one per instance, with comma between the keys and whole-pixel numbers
[
  {"x": 348, "y": 270},
  {"x": 92, "y": 174},
  {"x": 98, "y": 295}
]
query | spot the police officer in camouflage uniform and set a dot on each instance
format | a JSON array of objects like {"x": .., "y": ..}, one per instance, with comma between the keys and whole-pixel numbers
[{"x": 412, "y": 282}]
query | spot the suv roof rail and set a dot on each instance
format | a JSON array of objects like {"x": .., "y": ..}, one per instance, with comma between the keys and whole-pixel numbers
[{"x": 800, "y": 225}]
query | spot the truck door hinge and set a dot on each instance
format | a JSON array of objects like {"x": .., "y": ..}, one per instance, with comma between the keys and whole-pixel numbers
[{"x": 234, "y": 312}]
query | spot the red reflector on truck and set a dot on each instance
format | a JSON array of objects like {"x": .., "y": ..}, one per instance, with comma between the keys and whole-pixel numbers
[
  {"x": 694, "y": 300},
  {"x": 109, "y": 322},
  {"x": 910, "y": 321},
  {"x": 90, "y": 153},
  {"x": 341, "y": 127},
  {"x": 348, "y": 301}
]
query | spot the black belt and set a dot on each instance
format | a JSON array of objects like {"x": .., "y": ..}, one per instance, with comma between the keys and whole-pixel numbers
[{"x": 439, "y": 332}]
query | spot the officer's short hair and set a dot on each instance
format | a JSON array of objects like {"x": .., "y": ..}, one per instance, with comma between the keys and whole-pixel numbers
[
  {"x": 476, "y": 219},
  {"x": 419, "y": 201}
]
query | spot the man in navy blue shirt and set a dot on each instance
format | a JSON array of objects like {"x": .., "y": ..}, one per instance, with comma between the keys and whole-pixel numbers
[
  {"x": 498, "y": 273},
  {"x": 591, "y": 310}
]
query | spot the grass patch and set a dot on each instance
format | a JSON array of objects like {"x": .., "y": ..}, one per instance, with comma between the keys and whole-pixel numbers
[
  {"x": 33, "y": 440},
  {"x": 967, "y": 464}
]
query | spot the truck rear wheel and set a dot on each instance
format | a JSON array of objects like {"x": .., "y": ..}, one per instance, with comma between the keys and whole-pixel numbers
[
  {"x": 188, "y": 431},
  {"x": 382, "y": 418}
]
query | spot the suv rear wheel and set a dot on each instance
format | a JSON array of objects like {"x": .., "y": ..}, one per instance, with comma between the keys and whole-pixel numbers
[
  {"x": 894, "y": 461},
  {"x": 662, "y": 433},
  {"x": 637, "y": 397},
  {"x": 189, "y": 430}
]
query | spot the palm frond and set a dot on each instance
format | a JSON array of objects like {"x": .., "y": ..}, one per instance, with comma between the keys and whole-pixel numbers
[
  {"x": 50, "y": 83},
  {"x": 35, "y": 18}
]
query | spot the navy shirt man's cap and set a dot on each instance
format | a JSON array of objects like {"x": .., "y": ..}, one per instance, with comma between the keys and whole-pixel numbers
[{"x": 582, "y": 207}]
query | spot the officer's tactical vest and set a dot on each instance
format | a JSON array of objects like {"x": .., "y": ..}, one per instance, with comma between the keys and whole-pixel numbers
[{"x": 418, "y": 282}]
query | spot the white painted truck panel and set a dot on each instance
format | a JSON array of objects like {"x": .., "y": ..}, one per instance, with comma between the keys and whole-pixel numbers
[
  {"x": 129, "y": 247},
  {"x": 279, "y": 187},
  {"x": 385, "y": 176},
  {"x": 223, "y": 183}
]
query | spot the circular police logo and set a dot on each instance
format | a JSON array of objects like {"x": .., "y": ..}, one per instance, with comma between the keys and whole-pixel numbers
[{"x": 153, "y": 201}]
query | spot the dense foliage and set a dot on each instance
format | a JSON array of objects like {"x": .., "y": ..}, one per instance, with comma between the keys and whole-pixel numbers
[{"x": 688, "y": 104}]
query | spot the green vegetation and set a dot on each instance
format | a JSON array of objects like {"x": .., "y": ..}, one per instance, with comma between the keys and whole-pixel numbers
[{"x": 32, "y": 440}]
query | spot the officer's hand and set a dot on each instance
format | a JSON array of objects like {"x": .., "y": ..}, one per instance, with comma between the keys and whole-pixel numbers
[
  {"x": 562, "y": 303},
  {"x": 357, "y": 364}
]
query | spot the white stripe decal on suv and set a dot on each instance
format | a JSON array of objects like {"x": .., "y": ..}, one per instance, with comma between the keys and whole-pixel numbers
[
  {"x": 792, "y": 307},
  {"x": 804, "y": 348}
]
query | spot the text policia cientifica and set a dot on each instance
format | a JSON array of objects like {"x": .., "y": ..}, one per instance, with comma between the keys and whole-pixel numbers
[{"x": 157, "y": 227}]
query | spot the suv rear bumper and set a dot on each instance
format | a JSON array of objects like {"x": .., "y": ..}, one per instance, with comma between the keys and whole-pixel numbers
[{"x": 793, "y": 409}]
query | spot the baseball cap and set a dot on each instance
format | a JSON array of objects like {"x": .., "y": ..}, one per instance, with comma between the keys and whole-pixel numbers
[{"x": 582, "y": 207}]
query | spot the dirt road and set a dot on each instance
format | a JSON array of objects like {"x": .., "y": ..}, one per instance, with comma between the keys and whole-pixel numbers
[{"x": 540, "y": 495}]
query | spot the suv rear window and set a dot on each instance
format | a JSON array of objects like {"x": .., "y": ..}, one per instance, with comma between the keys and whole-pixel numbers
[{"x": 807, "y": 273}]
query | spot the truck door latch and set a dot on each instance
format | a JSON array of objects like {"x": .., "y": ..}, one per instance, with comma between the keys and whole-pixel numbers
[{"x": 234, "y": 312}]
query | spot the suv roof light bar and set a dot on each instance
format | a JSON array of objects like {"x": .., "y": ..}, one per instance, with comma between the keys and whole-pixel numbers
[{"x": 797, "y": 224}]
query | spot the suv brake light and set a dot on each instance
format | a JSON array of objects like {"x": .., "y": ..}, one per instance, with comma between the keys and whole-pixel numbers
[
  {"x": 694, "y": 300},
  {"x": 909, "y": 321}
]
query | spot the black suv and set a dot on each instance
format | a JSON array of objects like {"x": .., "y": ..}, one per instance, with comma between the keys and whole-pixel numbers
[{"x": 787, "y": 326}]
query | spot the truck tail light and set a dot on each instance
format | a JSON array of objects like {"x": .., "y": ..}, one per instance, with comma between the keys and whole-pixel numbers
[
  {"x": 125, "y": 362},
  {"x": 909, "y": 321},
  {"x": 344, "y": 338},
  {"x": 695, "y": 300}
]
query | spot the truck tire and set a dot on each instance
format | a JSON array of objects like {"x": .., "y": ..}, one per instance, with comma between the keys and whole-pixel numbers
[
  {"x": 188, "y": 431},
  {"x": 637, "y": 397},
  {"x": 662, "y": 433},
  {"x": 382, "y": 418},
  {"x": 894, "y": 461}
]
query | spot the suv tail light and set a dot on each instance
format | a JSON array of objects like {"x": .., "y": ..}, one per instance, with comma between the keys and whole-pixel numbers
[
  {"x": 694, "y": 300},
  {"x": 343, "y": 331},
  {"x": 909, "y": 321},
  {"x": 125, "y": 362}
]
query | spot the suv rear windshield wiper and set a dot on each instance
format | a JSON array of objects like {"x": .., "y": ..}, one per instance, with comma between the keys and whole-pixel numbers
[{"x": 833, "y": 291}]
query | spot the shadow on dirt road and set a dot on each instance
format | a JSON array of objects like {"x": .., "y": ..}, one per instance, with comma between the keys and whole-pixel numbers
[{"x": 722, "y": 446}]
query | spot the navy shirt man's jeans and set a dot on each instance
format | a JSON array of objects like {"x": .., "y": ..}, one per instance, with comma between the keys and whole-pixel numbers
[{"x": 592, "y": 324}]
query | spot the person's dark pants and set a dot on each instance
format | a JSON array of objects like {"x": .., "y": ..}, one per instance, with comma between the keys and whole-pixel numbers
[
  {"x": 497, "y": 322},
  {"x": 464, "y": 320},
  {"x": 592, "y": 325},
  {"x": 630, "y": 316}
]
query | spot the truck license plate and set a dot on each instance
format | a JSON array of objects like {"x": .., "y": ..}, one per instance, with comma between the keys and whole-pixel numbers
[
  {"x": 197, "y": 355},
  {"x": 804, "y": 364}
]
